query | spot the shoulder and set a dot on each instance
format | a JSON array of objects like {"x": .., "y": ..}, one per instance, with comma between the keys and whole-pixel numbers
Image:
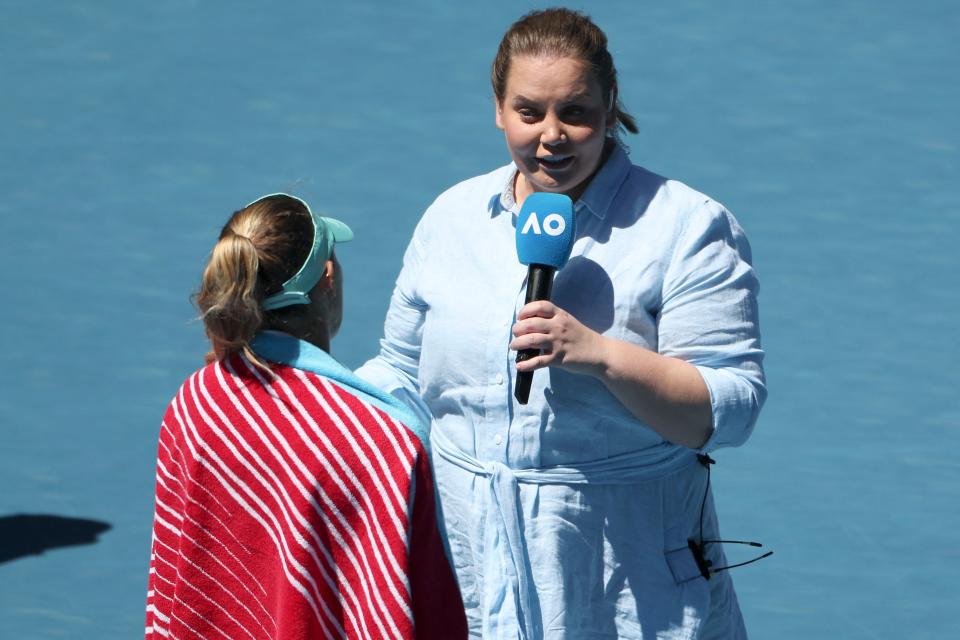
[
  {"x": 481, "y": 185},
  {"x": 193, "y": 383},
  {"x": 195, "y": 393},
  {"x": 455, "y": 211},
  {"x": 357, "y": 415},
  {"x": 478, "y": 193},
  {"x": 670, "y": 193},
  {"x": 683, "y": 207},
  {"x": 632, "y": 192}
]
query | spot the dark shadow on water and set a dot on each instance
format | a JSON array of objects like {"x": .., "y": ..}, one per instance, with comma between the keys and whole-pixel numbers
[{"x": 32, "y": 534}]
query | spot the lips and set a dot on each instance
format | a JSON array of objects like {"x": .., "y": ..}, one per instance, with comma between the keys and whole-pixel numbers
[{"x": 555, "y": 162}]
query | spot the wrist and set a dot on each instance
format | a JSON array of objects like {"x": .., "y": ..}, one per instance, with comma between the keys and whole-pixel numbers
[
  {"x": 599, "y": 358},
  {"x": 618, "y": 361}
]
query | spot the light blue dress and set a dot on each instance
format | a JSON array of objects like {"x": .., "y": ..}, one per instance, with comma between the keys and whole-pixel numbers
[{"x": 568, "y": 517}]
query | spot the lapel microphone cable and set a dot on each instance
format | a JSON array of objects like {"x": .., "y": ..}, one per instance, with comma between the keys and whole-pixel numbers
[{"x": 698, "y": 545}]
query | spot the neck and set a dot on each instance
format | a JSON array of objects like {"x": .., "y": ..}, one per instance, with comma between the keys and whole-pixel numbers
[
  {"x": 316, "y": 333},
  {"x": 321, "y": 342}
]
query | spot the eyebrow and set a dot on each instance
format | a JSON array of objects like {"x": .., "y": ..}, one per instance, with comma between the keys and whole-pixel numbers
[{"x": 522, "y": 99}]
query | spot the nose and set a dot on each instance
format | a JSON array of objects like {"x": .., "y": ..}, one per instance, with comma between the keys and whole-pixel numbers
[{"x": 553, "y": 133}]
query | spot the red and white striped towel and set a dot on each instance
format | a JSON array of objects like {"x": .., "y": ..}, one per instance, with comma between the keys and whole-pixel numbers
[{"x": 289, "y": 508}]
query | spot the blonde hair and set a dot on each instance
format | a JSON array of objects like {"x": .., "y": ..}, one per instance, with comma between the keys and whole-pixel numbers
[
  {"x": 262, "y": 246},
  {"x": 564, "y": 33}
]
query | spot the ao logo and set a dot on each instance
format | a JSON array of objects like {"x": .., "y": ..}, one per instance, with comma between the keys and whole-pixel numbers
[{"x": 553, "y": 224}]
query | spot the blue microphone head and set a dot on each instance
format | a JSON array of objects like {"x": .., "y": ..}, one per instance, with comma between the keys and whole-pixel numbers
[{"x": 545, "y": 229}]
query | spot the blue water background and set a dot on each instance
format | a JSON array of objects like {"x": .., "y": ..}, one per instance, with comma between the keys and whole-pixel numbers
[{"x": 129, "y": 132}]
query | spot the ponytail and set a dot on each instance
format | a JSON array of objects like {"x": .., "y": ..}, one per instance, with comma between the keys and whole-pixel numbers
[
  {"x": 627, "y": 122},
  {"x": 259, "y": 248},
  {"x": 229, "y": 296}
]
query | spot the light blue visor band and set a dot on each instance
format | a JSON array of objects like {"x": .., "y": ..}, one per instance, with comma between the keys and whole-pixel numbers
[{"x": 326, "y": 233}]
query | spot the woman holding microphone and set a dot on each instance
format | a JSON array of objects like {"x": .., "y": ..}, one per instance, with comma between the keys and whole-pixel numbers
[{"x": 586, "y": 512}]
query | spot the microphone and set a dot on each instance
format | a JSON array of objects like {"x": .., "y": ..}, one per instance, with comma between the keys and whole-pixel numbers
[{"x": 545, "y": 235}]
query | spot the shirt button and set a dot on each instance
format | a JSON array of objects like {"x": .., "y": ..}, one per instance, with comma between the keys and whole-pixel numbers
[
  {"x": 499, "y": 380},
  {"x": 498, "y": 439}
]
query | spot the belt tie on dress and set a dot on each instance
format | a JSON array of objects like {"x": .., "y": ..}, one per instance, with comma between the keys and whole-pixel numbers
[{"x": 508, "y": 592}]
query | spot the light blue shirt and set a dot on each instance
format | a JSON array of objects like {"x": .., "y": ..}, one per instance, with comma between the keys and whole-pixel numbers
[{"x": 654, "y": 263}]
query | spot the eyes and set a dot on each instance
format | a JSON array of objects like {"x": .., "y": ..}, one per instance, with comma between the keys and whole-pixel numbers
[{"x": 570, "y": 113}]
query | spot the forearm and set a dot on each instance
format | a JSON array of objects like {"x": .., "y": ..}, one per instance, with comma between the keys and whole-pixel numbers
[{"x": 666, "y": 393}]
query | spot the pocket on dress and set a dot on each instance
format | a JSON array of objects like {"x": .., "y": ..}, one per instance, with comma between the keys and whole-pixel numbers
[
  {"x": 681, "y": 561},
  {"x": 695, "y": 591}
]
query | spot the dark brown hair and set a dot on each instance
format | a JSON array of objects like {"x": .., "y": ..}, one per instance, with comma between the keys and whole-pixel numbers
[
  {"x": 563, "y": 33},
  {"x": 262, "y": 246}
]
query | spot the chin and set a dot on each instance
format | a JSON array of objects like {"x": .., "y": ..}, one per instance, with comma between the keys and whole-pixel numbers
[
  {"x": 546, "y": 182},
  {"x": 540, "y": 182},
  {"x": 552, "y": 187}
]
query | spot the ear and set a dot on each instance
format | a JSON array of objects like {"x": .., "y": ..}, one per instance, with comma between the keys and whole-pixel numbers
[
  {"x": 326, "y": 280},
  {"x": 498, "y": 113}
]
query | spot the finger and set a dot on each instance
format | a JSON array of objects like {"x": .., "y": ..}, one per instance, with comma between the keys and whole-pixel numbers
[
  {"x": 537, "y": 308},
  {"x": 540, "y": 341},
  {"x": 531, "y": 325},
  {"x": 538, "y": 362}
]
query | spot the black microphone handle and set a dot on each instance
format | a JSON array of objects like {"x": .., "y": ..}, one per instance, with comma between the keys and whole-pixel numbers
[{"x": 539, "y": 287}]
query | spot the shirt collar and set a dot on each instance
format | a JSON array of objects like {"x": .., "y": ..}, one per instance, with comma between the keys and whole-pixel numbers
[
  {"x": 596, "y": 199},
  {"x": 606, "y": 184}
]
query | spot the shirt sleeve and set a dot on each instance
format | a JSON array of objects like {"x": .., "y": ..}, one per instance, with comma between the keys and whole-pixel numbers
[
  {"x": 395, "y": 368},
  {"x": 709, "y": 318}
]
